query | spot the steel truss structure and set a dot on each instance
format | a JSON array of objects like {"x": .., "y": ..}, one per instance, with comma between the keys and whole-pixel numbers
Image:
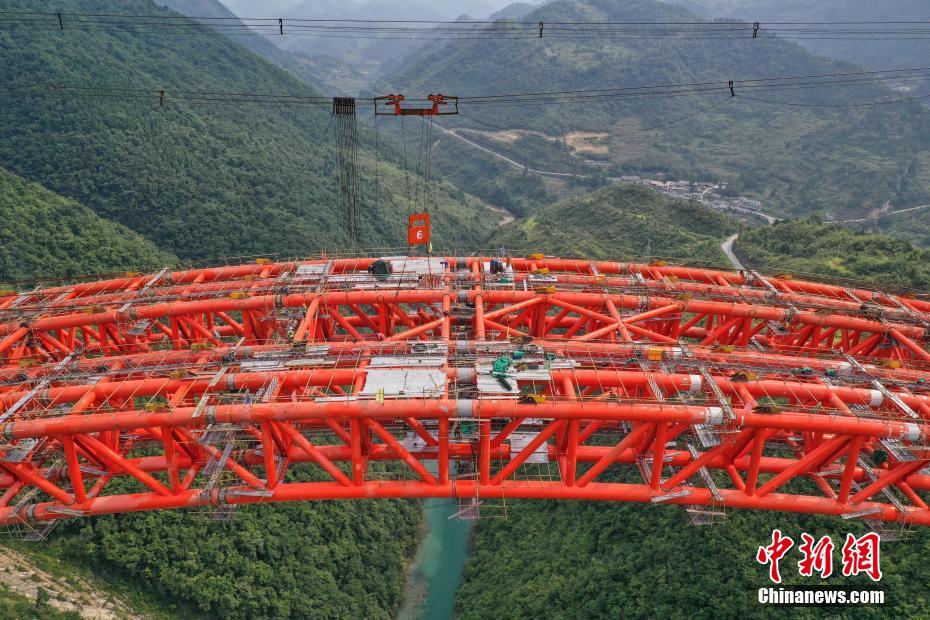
[{"x": 463, "y": 378}]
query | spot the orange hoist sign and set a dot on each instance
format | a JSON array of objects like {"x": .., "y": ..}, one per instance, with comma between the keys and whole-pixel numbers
[{"x": 418, "y": 229}]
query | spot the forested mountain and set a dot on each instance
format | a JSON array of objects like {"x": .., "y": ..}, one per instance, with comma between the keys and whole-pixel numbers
[
  {"x": 627, "y": 221},
  {"x": 203, "y": 178},
  {"x": 846, "y": 161},
  {"x": 376, "y": 9},
  {"x": 621, "y": 222},
  {"x": 339, "y": 559},
  {"x": 562, "y": 559},
  {"x": 45, "y": 235},
  {"x": 810, "y": 246},
  {"x": 515, "y": 10},
  {"x": 242, "y": 7},
  {"x": 913, "y": 226},
  {"x": 363, "y": 58},
  {"x": 210, "y": 10}
]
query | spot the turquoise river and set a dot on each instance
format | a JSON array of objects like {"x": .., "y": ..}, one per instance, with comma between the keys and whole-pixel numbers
[{"x": 437, "y": 567}]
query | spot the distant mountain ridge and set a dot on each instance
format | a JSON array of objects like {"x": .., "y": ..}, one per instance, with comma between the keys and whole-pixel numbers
[
  {"x": 515, "y": 10},
  {"x": 255, "y": 43},
  {"x": 367, "y": 55},
  {"x": 796, "y": 159}
]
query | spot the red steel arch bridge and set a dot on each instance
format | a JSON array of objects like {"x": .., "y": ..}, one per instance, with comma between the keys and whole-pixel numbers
[{"x": 472, "y": 378}]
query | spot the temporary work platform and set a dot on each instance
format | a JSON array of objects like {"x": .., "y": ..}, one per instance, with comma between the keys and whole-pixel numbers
[{"x": 463, "y": 378}]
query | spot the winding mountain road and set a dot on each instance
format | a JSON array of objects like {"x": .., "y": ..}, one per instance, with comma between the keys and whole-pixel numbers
[
  {"x": 727, "y": 247},
  {"x": 771, "y": 219},
  {"x": 872, "y": 219},
  {"x": 506, "y": 159}
]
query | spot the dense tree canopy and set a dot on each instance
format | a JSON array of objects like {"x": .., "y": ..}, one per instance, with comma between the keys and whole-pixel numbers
[
  {"x": 43, "y": 234},
  {"x": 613, "y": 560},
  {"x": 813, "y": 247},
  {"x": 622, "y": 222},
  {"x": 309, "y": 559}
]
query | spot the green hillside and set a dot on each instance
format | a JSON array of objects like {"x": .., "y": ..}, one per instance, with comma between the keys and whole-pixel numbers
[
  {"x": 913, "y": 226},
  {"x": 199, "y": 179},
  {"x": 812, "y": 247},
  {"x": 15, "y": 606},
  {"x": 560, "y": 559},
  {"x": 294, "y": 62},
  {"x": 45, "y": 235},
  {"x": 519, "y": 192},
  {"x": 337, "y": 559},
  {"x": 366, "y": 57},
  {"x": 796, "y": 159},
  {"x": 622, "y": 222}
]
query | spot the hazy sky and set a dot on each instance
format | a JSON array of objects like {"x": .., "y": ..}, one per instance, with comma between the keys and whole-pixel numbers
[{"x": 246, "y": 8}]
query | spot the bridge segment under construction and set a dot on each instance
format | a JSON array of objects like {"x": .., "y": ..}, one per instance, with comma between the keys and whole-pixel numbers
[{"x": 474, "y": 378}]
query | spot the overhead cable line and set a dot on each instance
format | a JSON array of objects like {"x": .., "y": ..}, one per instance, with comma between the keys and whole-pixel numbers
[
  {"x": 747, "y": 86},
  {"x": 470, "y": 29},
  {"x": 429, "y": 21},
  {"x": 835, "y": 105},
  {"x": 700, "y": 110}
]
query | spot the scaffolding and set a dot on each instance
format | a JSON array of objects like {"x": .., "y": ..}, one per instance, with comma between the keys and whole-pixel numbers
[{"x": 481, "y": 379}]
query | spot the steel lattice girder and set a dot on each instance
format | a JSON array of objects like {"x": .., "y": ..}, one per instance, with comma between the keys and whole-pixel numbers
[{"x": 693, "y": 386}]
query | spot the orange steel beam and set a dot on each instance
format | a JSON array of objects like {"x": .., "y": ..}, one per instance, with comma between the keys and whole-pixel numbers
[
  {"x": 437, "y": 106},
  {"x": 664, "y": 370}
]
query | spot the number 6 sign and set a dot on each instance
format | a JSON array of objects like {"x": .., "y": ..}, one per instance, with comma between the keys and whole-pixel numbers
[{"x": 418, "y": 229}]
